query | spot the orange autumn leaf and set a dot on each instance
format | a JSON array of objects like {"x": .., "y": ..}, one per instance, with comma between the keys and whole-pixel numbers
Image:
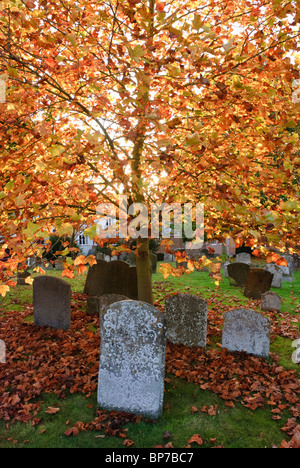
[{"x": 196, "y": 438}]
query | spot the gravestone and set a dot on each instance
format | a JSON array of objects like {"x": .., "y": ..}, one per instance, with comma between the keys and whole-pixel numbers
[
  {"x": 153, "y": 263},
  {"x": 48, "y": 265},
  {"x": 2, "y": 352},
  {"x": 21, "y": 278},
  {"x": 132, "y": 284},
  {"x": 132, "y": 359},
  {"x": 277, "y": 274},
  {"x": 243, "y": 257},
  {"x": 246, "y": 330},
  {"x": 52, "y": 302},
  {"x": 238, "y": 273},
  {"x": 59, "y": 264},
  {"x": 271, "y": 301},
  {"x": 225, "y": 268},
  {"x": 96, "y": 305},
  {"x": 258, "y": 282},
  {"x": 186, "y": 319},
  {"x": 132, "y": 259},
  {"x": 116, "y": 278},
  {"x": 95, "y": 280},
  {"x": 168, "y": 257}
]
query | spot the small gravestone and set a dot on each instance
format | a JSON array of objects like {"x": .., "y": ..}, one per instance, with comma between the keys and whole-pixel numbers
[
  {"x": 186, "y": 319},
  {"x": 238, "y": 273},
  {"x": 59, "y": 264},
  {"x": 277, "y": 274},
  {"x": 258, "y": 282},
  {"x": 271, "y": 301},
  {"x": 132, "y": 359},
  {"x": 96, "y": 305},
  {"x": 225, "y": 268},
  {"x": 246, "y": 330},
  {"x": 22, "y": 277},
  {"x": 153, "y": 262},
  {"x": 48, "y": 265},
  {"x": 2, "y": 352},
  {"x": 93, "y": 305},
  {"x": 96, "y": 278},
  {"x": 132, "y": 259},
  {"x": 116, "y": 278},
  {"x": 243, "y": 257},
  {"x": 52, "y": 302},
  {"x": 168, "y": 257},
  {"x": 132, "y": 284}
]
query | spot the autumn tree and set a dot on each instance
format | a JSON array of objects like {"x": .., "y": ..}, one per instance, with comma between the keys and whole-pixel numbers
[{"x": 175, "y": 101}]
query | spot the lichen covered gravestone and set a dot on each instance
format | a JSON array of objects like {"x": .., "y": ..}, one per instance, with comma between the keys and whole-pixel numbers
[
  {"x": 238, "y": 273},
  {"x": 52, "y": 302},
  {"x": 258, "y": 282},
  {"x": 132, "y": 359},
  {"x": 246, "y": 330},
  {"x": 186, "y": 319}
]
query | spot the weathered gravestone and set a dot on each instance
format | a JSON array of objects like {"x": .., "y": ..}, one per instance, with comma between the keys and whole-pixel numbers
[
  {"x": 2, "y": 352},
  {"x": 246, "y": 330},
  {"x": 59, "y": 264},
  {"x": 238, "y": 273},
  {"x": 132, "y": 283},
  {"x": 22, "y": 277},
  {"x": 106, "y": 279},
  {"x": 186, "y": 319},
  {"x": 96, "y": 305},
  {"x": 153, "y": 262},
  {"x": 52, "y": 302},
  {"x": 116, "y": 278},
  {"x": 96, "y": 277},
  {"x": 132, "y": 359},
  {"x": 225, "y": 268},
  {"x": 258, "y": 282},
  {"x": 271, "y": 301},
  {"x": 243, "y": 257},
  {"x": 152, "y": 258},
  {"x": 277, "y": 274}
]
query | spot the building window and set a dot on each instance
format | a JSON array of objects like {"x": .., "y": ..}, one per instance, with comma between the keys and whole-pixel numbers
[{"x": 83, "y": 240}]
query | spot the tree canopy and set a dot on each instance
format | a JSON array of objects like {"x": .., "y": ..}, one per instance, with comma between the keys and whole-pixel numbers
[{"x": 161, "y": 101}]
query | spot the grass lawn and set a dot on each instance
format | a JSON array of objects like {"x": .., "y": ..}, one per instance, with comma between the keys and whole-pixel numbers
[{"x": 48, "y": 384}]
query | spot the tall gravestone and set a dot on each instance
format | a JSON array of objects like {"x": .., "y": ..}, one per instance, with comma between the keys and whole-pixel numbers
[
  {"x": 52, "y": 302},
  {"x": 258, "y": 282},
  {"x": 238, "y": 273},
  {"x": 132, "y": 359},
  {"x": 116, "y": 278},
  {"x": 132, "y": 283},
  {"x": 186, "y": 319},
  {"x": 96, "y": 277},
  {"x": 246, "y": 330}
]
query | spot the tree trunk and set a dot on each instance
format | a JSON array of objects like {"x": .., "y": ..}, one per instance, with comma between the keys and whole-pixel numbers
[{"x": 144, "y": 272}]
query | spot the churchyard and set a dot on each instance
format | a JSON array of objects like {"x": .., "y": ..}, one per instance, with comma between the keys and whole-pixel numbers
[{"x": 204, "y": 367}]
